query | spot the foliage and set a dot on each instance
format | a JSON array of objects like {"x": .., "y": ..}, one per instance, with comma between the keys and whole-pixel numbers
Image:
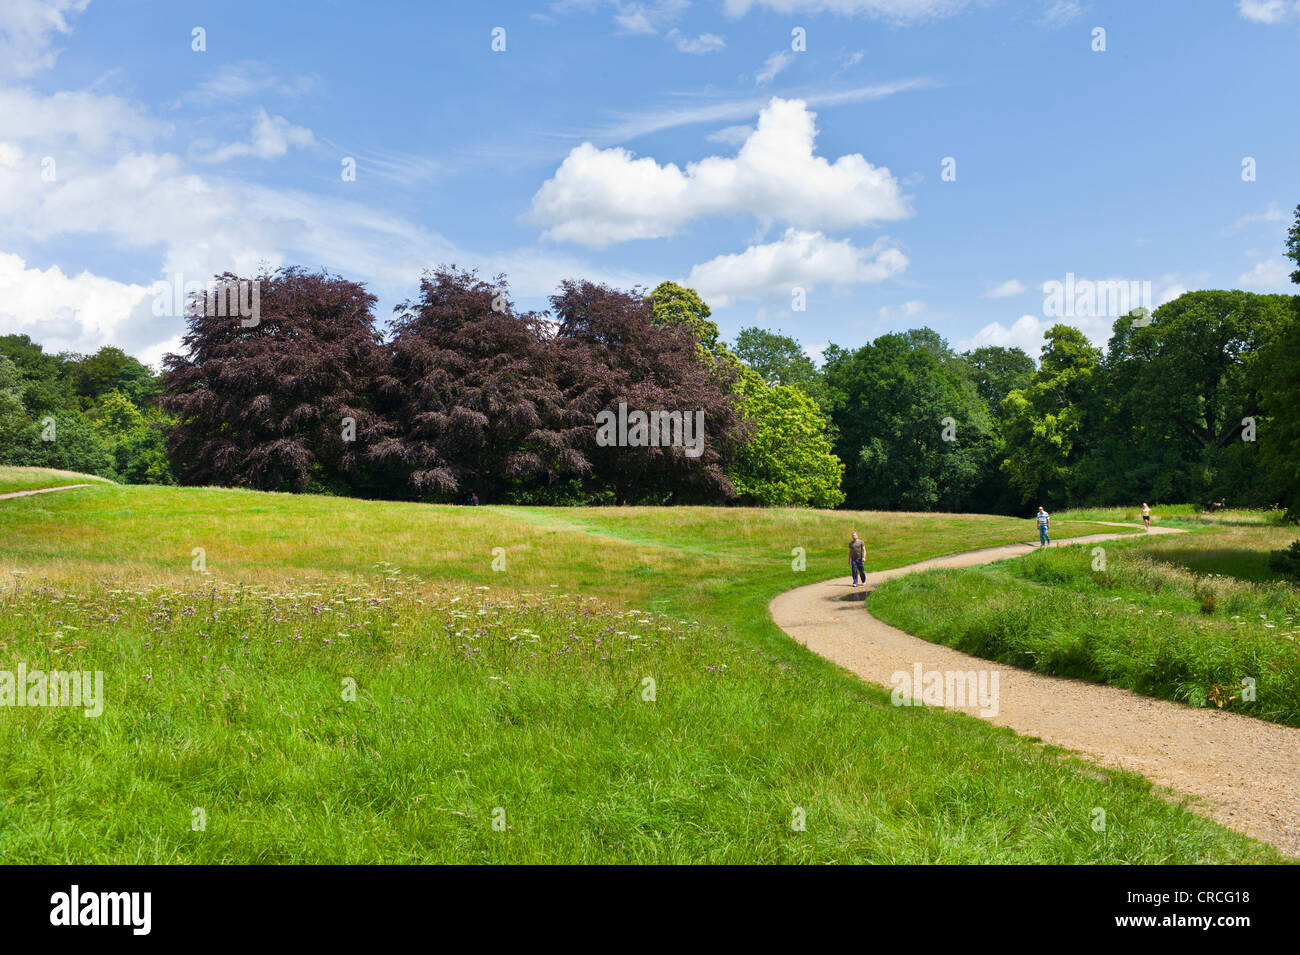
[
  {"x": 1046, "y": 421},
  {"x": 267, "y": 404},
  {"x": 788, "y": 460},
  {"x": 913, "y": 432},
  {"x": 1286, "y": 561}
]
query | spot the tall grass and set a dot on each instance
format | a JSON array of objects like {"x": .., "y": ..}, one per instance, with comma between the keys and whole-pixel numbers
[
  {"x": 500, "y": 715},
  {"x": 1125, "y": 615}
]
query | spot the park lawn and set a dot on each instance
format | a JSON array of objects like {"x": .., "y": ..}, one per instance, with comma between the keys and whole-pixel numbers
[
  {"x": 31, "y": 479},
  {"x": 1186, "y": 617},
  {"x": 616, "y": 693}
]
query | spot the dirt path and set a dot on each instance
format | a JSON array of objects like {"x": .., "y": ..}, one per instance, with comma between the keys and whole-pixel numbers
[
  {"x": 1246, "y": 771},
  {"x": 43, "y": 490}
]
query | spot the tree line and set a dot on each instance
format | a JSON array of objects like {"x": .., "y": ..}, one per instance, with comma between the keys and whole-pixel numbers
[{"x": 462, "y": 393}]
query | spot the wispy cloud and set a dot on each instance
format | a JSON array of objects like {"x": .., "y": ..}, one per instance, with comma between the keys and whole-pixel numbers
[
  {"x": 1268, "y": 11},
  {"x": 405, "y": 169},
  {"x": 627, "y": 126},
  {"x": 773, "y": 65},
  {"x": 1272, "y": 214},
  {"x": 1007, "y": 289},
  {"x": 236, "y": 81},
  {"x": 704, "y": 43},
  {"x": 1058, "y": 13}
]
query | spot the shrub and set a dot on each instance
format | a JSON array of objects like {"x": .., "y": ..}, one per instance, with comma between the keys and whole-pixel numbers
[{"x": 1286, "y": 561}]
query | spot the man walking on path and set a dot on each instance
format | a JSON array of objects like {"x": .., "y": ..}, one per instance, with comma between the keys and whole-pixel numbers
[
  {"x": 1044, "y": 520},
  {"x": 857, "y": 554}
]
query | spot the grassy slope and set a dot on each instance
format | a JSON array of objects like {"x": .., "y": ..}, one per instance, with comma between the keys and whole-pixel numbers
[
  {"x": 228, "y": 698},
  {"x": 1145, "y": 622},
  {"x": 31, "y": 479}
]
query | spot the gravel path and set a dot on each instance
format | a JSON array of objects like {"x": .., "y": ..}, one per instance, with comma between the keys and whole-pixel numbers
[
  {"x": 43, "y": 490},
  {"x": 1246, "y": 772}
]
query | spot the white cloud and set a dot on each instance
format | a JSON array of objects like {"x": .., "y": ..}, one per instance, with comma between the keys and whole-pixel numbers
[
  {"x": 731, "y": 135},
  {"x": 1271, "y": 275},
  {"x": 1007, "y": 289},
  {"x": 1060, "y": 12},
  {"x": 633, "y": 125},
  {"x": 1267, "y": 11},
  {"x": 27, "y": 28},
  {"x": 647, "y": 18},
  {"x": 601, "y": 196},
  {"x": 908, "y": 309},
  {"x": 232, "y": 81},
  {"x": 63, "y": 312},
  {"x": 894, "y": 11},
  {"x": 798, "y": 259},
  {"x": 704, "y": 43},
  {"x": 1272, "y": 214},
  {"x": 74, "y": 119},
  {"x": 773, "y": 65},
  {"x": 271, "y": 138},
  {"x": 1026, "y": 332}
]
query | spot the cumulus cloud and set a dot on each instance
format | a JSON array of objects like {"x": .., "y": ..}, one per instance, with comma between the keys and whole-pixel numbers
[
  {"x": 799, "y": 259},
  {"x": 1271, "y": 275},
  {"x": 600, "y": 196},
  {"x": 63, "y": 312},
  {"x": 1097, "y": 304},
  {"x": 74, "y": 119},
  {"x": 270, "y": 139},
  {"x": 1026, "y": 333}
]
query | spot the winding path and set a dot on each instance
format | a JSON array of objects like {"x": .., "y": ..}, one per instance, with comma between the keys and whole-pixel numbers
[{"x": 1246, "y": 772}]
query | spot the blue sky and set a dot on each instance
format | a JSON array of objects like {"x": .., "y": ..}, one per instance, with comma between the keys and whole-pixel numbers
[{"x": 631, "y": 142}]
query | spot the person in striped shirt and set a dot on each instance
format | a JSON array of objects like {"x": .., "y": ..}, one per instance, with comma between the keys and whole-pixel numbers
[{"x": 1044, "y": 521}]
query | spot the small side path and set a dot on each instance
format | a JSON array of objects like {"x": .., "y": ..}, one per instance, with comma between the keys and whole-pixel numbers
[{"x": 42, "y": 490}]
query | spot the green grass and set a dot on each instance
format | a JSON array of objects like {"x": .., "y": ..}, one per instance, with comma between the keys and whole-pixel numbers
[
  {"x": 1185, "y": 617},
  {"x": 31, "y": 479},
  {"x": 515, "y": 690}
]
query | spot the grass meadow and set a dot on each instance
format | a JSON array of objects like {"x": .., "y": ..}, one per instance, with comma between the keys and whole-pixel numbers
[{"x": 310, "y": 679}]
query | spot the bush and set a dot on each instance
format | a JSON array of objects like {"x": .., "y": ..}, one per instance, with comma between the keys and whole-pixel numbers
[{"x": 1286, "y": 561}]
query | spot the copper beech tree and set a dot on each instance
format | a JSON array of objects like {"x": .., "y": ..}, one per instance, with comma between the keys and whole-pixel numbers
[
  {"x": 279, "y": 400},
  {"x": 469, "y": 395}
]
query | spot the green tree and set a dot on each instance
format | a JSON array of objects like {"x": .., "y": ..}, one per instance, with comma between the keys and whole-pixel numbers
[
  {"x": 1045, "y": 422},
  {"x": 1280, "y": 395},
  {"x": 111, "y": 369},
  {"x": 1176, "y": 396},
  {"x": 13, "y": 416},
  {"x": 675, "y": 306},
  {"x": 913, "y": 432},
  {"x": 999, "y": 371},
  {"x": 781, "y": 360},
  {"x": 138, "y": 448},
  {"x": 788, "y": 460}
]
